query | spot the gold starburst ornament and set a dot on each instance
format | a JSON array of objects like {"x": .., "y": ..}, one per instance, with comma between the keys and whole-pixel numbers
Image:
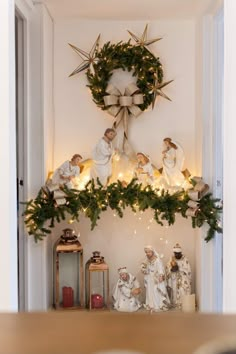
[
  {"x": 156, "y": 89},
  {"x": 143, "y": 41},
  {"x": 89, "y": 59}
]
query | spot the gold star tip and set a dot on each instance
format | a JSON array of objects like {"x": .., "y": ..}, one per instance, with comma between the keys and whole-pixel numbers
[{"x": 143, "y": 40}]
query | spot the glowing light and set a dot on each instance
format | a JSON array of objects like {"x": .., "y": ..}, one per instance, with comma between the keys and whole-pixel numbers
[
  {"x": 82, "y": 182},
  {"x": 117, "y": 157}
]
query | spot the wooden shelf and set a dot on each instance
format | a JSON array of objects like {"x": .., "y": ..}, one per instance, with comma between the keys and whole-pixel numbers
[{"x": 84, "y": 332}]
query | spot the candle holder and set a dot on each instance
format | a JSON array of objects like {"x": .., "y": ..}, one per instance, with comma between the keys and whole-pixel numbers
[
  {"x": 97, "y": 282},
  {"x": 68, "y": 282}
]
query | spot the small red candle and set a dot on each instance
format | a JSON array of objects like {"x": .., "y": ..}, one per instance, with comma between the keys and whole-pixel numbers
[
  {"x": 67, "y": 296},
  {"x": 97, "y": 301}
]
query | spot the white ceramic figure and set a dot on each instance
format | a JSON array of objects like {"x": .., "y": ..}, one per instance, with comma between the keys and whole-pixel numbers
[
  {"x": 178, "y": 272},
  {"x": 126, "y": 291},
  {"x": 157, "y": 298}
]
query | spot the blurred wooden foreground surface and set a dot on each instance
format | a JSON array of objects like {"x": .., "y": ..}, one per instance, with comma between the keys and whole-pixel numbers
[{"x": 89, "y": 332}]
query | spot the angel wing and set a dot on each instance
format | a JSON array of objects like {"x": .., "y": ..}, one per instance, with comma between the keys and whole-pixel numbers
[
  {"x": 85, "y": 166},
  {"x": 179, "y": 156}
]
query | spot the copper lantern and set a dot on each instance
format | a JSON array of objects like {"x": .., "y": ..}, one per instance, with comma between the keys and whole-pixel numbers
[
  {"x": 68, "y": 271},
  {"x": 97, "y": 282}
]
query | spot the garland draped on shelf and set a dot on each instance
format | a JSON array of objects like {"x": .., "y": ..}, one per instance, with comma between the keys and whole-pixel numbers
[{"x": 93, "y": 200}]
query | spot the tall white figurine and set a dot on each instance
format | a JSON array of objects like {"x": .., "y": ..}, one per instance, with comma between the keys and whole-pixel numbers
[
  {"x": 154, "y": 281},
  {"x": 126, "y": 292},
  {"x": 68, "y": 172},
  {"x": 173, "y": 160},
  {"x": 144, "y": 170},
  {"x": 102, "y": 157},
  {"x": 179, "y": 276}
]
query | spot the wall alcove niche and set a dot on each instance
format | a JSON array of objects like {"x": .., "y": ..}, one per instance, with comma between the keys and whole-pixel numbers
[
  {"x": 121, "y": 241},
  {"x": 72, "y": 124}
]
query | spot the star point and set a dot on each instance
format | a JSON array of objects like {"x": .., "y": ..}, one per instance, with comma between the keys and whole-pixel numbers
[
  {"x": 143, "y": 41},
  {"x": 88, "y": 58},
  {"x": 156, "y": 90}
]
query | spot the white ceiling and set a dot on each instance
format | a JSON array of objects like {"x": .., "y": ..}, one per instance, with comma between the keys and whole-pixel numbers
[{"x": 128, "y": 9}]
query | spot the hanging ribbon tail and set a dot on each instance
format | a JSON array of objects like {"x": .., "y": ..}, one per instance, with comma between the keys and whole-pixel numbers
[
  {"x": 125, "y": 123},
  {"x": 119, "y": 117},
  {"x": 129, "y": 151}
]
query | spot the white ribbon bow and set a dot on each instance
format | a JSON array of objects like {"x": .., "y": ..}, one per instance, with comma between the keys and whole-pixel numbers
[{"x": 121, "y": 106}]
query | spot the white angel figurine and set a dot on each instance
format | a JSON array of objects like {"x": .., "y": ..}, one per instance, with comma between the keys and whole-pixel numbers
[{"x": 173, "y": 160}]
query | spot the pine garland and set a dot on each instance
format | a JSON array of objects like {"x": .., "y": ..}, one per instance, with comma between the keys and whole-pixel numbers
[{"x": 93, "y": 200}]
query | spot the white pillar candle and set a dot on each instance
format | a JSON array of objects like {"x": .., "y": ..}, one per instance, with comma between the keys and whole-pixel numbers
[{"x": 188, "y": 303}]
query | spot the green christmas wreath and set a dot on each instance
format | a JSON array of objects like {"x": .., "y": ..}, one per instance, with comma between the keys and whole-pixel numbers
[{"x": 145, "y": 66}]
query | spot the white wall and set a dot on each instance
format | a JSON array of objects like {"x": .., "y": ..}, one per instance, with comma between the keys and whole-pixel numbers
[
  {"x": 39, "y": 139},
  {"x": 8, "y": 235},
  {"x": 210, "y": 81},
  {"x": 229, "y": 303},
  {"x": 79, "y": 124},
  {"x": 198, "y": 149},
  {"x": 48, "y": 121}
]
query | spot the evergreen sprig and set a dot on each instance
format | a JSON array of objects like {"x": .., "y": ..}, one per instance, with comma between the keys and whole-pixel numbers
[{"x": 95, "y": 199}]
